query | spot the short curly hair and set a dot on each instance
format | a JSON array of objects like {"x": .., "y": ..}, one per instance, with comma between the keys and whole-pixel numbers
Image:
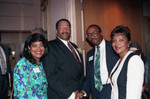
[{"x": 123, "y": 30}]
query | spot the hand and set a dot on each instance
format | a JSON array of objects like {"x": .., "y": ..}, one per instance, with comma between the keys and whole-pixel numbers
[
  {"x": 79, "y": 95},
  {"x": 73, "y": 95},
  {"x": 76, "y": 92},
  {"x": 145, "y": 87}
]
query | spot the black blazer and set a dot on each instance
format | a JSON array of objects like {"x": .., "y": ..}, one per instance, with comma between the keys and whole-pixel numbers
[
  {"x": 64, "y": 74},
  {"x": 89, "y": 86}
]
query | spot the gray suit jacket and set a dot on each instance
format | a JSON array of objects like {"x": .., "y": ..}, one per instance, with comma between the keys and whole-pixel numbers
[{"x": 3, "y": 87}]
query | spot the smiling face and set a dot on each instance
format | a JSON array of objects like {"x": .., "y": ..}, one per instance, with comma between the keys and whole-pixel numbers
[
  {"x": 64, "y": 30},
  {"x": 96, "y": 36},
  {"x": 37, "y": 50},
  {"x": 120, "y": 44}
]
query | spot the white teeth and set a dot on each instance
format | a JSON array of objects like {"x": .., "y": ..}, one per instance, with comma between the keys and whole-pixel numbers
[{"x": 38, "y": 52}]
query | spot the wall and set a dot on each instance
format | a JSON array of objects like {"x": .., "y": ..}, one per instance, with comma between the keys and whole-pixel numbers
[
  {"x": 145, "y": 24},
  {"x": 108, "y": 14},
  {"x": 56, "y": 12},
  {"x": 16, "y": 14},
  {"x": 16, "y": 17}
]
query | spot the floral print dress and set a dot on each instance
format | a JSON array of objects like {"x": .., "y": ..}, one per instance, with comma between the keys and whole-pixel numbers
[{"x": 37, "y": 86}]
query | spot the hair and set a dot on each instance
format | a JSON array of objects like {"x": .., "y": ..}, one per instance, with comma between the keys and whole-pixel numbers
[
  {"x": 34, "y": 38},
  {"x": 62, "y": 20},
  {"x": 135, "y": 44},
  {"x": 94, "y": 25},
  {"x": 122, "y": 30},
  {"x": 38, "y": 29}
]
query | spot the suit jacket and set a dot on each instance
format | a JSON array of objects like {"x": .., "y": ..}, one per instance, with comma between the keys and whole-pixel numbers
[
  {"x": 89, "y": 86},
  {"x": 5, "y": 86},
  {"x": 64, "y": 74}
]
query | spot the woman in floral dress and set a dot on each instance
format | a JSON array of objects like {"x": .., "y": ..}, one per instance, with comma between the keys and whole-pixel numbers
[{"x": 29, "y": 76}]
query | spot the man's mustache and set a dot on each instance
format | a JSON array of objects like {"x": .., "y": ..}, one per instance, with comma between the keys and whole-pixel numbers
[
  {"x": 94, "y": 39},
  {"x": 64, "y": 32}
]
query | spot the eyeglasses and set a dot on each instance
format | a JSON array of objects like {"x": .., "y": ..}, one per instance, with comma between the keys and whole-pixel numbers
[
  {"x": 94, "y": 33},
  {"x": 64, "y": 27}
]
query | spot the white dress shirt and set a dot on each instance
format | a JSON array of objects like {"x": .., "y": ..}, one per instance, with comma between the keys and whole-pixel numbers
[{"x": 103, "y": 65}]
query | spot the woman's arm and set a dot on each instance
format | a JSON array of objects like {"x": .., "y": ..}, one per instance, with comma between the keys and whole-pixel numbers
[
  {"x": 20, "y": 79},
  {"x": 135, "y": 77}
]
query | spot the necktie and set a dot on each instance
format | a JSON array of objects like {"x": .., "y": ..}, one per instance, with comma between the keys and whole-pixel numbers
[
  {"x": 97, "y": 77},
  {"x": 74, "y": 53}
]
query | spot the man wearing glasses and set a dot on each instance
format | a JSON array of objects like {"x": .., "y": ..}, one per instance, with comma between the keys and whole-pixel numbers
[
  {"x": 63, "y": 64},
  {"x": 100, "y": 61}
]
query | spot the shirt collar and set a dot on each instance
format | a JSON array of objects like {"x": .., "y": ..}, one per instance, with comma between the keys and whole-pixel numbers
[
  {"x": 64, "y": 41},
  {"x": 102, "y": 44}
]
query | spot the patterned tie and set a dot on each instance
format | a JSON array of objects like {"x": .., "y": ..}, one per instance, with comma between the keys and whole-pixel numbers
[
  {"x": 75, "y": 54},
  {"x": 97, "y": 77}
]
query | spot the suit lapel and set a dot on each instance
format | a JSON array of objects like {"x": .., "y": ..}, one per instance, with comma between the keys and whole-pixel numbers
[
  {"x": 64, "y": 48},
  {"x": 108, "y": 55},
  {"x": 68, "y": 53},
  {"x": 111, "y": 57},
  {"x": 91, "y": 60},
  {"x": 80, "y": 55}
]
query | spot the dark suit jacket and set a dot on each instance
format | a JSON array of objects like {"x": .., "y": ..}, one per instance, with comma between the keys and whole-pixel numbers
[
  {"x": 5, "y": 86},
  {"x": 89, "y": 86},
  {"x": 64, "y": 74}
]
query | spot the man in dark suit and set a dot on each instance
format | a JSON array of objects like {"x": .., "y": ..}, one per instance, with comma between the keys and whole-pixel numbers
[
  {"x": 63, "y": 70},
  {"x": 108, "y": 58},
  {"x": 5, "y": 71}
]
